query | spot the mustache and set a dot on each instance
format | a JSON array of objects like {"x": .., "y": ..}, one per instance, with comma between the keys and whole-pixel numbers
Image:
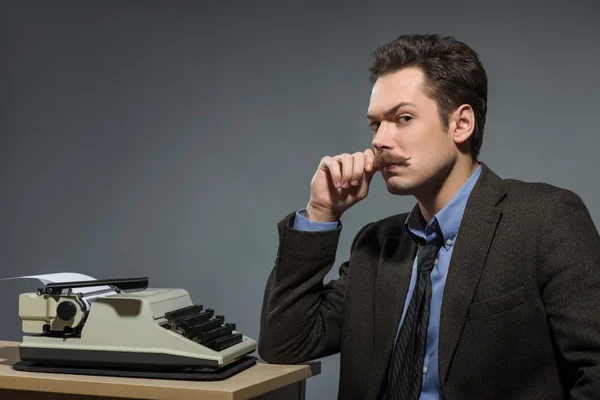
[{"x": 383, "y": 159}]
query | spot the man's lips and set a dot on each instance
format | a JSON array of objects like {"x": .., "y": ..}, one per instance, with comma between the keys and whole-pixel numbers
[{"x": 390, "y": 167}]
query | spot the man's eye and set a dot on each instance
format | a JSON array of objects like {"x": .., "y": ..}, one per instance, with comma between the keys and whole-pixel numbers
[{"x": 403, "y": 119}]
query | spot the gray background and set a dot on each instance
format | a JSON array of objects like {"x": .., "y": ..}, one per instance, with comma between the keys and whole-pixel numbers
[{"x": 167, "y": 139}]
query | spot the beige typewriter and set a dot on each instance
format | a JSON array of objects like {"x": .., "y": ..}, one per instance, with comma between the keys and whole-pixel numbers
[{"x": 145, "y": 329}]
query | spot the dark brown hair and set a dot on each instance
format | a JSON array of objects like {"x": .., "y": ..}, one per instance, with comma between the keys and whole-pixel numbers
[{"x": 453, "y": 72}]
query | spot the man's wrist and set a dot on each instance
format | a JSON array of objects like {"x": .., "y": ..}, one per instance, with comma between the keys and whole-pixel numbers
[{"x": 316, "y": 215}]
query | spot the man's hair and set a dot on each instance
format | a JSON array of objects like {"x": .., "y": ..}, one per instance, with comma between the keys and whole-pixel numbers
[{"x": 454, "y": 74}]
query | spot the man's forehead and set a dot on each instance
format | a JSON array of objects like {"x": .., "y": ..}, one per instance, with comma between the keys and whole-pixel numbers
[{"x": 394, "y": 88}]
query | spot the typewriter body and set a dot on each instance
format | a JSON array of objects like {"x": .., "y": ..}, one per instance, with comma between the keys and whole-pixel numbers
[{"x": 144, "y": 329}]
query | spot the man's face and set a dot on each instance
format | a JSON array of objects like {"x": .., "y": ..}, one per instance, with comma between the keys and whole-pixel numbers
[{"x": 408, "y": 133}]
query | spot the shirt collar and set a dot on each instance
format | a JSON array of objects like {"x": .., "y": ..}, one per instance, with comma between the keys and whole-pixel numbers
[{"x": 445, "y": 224}]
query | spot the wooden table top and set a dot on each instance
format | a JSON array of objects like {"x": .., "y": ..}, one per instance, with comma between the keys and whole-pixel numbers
[{"x": 258, "y": 379}]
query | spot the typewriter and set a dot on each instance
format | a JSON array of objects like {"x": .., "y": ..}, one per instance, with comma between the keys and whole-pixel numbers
[{"x": 133, "y": 331}]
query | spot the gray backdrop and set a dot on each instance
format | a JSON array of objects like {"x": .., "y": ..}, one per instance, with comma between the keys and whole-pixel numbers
[{"x": 168, "y": 138}]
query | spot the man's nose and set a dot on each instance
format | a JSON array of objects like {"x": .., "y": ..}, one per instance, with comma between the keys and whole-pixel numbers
[{"x": 384, "y": 138}]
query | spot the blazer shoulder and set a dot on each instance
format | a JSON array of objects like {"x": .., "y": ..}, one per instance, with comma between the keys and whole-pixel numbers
[
  {"x": 537, "y": 192},
  {"x": 537, "y": 201}
]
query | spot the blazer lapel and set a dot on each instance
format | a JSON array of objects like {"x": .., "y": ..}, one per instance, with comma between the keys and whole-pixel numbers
[
  {"x": 474, "y": 239},
  {"x": 391, "y": 286}
]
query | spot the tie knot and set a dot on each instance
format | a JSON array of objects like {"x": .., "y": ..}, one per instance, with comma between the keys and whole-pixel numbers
[{"x": 426, "y": 256}]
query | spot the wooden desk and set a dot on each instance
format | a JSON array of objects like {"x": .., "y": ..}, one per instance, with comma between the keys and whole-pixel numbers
[{"x": 262, "y": 381}]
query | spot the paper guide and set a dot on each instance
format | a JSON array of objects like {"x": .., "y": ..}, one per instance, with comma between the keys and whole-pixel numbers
[{"x": 60, "y": 277}]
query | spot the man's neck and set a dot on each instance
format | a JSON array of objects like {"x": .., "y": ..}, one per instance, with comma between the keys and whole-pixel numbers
[{"x": 432, "y": 203}]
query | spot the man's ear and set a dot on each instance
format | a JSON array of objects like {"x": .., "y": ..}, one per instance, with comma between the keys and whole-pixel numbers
[{"x": 462, "y": 123}]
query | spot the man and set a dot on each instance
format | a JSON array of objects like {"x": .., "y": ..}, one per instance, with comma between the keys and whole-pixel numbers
[{"x": 505, "y": 305}]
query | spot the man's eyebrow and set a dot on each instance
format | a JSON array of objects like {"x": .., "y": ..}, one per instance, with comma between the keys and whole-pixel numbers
[{"x": 392, "y": 110}]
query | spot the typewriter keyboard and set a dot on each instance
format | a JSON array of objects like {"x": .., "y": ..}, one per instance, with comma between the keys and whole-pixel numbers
[{"x": 203, "y": 327}]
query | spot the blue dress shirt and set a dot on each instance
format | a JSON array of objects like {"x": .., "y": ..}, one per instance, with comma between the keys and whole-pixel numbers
[{"x": 445, "y": 223}]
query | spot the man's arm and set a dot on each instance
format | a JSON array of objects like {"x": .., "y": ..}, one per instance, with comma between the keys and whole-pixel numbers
[
  {"x": 569, "y": 276},
  {"x": 301, "y": 316}
]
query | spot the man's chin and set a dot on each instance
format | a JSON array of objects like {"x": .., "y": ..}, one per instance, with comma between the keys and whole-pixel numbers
[{"x": 400, "y": 188}]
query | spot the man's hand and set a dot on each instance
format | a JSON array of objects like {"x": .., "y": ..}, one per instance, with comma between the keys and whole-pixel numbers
[{"x": 339, "y": 183}]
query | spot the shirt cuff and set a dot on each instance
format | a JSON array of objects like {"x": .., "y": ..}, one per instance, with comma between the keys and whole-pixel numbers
[{"x": 302, "y": 223}]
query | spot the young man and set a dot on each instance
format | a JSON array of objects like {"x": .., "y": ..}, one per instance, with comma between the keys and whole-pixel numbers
[{"x": 488, "y": 288}]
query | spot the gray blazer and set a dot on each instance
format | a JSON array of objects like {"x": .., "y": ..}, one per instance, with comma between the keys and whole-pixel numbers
[{"x": 521, "y": 309}]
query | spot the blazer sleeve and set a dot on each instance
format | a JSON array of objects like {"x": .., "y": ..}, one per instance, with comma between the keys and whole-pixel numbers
[
  {"x": 301, "y": 315},
  {"x": 569, "y": 277}
]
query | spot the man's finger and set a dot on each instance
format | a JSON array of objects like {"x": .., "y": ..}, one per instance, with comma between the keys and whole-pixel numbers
[
  {"x": 347, "y": 165},
  {"x": 369, "y": 160},
  {"x": 358, "y": 169},
  {"x": 332, "y": 166}
]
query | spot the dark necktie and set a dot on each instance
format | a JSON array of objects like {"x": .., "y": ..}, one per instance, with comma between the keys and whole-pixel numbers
[{"x": 406, "y": 373}]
